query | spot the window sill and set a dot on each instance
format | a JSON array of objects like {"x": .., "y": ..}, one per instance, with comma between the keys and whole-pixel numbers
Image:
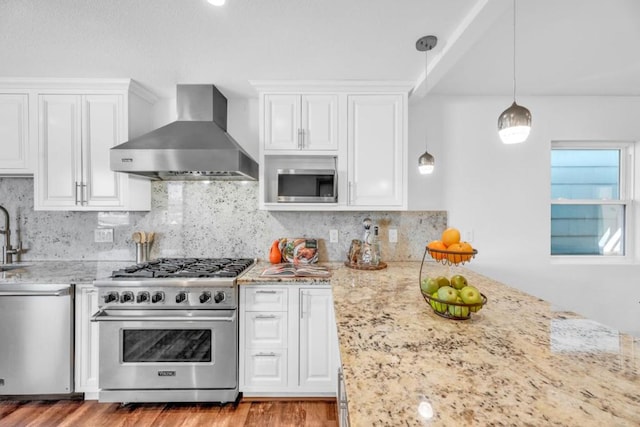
[{"x": 592, "y": 260}]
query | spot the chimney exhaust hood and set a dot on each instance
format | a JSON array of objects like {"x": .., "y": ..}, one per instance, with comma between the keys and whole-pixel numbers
[{"x": 195, "y": 147}]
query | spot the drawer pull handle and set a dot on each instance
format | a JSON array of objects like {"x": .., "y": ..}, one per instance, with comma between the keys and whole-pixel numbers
[
  {"x": 266, "y": 292},
  {"x": 266, "y": 354},
  {"x": 266, "y": 316}
]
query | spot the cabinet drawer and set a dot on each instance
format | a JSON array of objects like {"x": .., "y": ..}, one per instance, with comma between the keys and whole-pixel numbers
[
  {"x": 267, "y": 299},
  {"x": 266, "y": 368},
  {"x": 266, "y": 329}
]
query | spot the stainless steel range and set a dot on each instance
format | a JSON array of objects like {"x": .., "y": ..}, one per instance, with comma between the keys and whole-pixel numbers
[{"x": 169, "y": 331}]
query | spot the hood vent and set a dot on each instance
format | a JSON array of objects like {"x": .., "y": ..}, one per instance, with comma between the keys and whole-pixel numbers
[{"x": 195, "y": 147}]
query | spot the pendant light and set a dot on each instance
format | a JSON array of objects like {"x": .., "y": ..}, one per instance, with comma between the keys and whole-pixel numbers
[
  {"x": 514, "y": 124},
  {"x": 426, "y": 162}
]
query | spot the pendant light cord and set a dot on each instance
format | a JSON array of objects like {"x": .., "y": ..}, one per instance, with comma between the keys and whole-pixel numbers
[
  {"x": 426, "y": 86},
  {"x": 514, "y": 51}
]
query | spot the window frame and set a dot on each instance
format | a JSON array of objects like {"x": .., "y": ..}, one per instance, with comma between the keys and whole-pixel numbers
[{"x": 626, "y": 199}]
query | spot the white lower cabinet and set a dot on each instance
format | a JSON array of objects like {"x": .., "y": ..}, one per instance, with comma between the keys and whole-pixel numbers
[
  {"x": 86, "y": 339},
  {"x": 288, "y": 340}
]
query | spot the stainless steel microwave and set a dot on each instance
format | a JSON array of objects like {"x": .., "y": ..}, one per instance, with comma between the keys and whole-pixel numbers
[{"x": 307, "y": 186}]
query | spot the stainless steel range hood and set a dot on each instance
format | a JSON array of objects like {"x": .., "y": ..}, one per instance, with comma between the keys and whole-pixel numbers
[{"x": 195, "y": 147}]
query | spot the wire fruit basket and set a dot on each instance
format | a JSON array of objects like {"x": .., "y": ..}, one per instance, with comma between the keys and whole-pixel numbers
[
  {"x": 447, "y": 309},
  {"x": 453, "y": 310},
  {"x": 451, "y": 257}
]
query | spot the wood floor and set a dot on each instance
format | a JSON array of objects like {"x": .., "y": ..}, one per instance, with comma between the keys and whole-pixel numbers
[{"x": 90, "y": 413}]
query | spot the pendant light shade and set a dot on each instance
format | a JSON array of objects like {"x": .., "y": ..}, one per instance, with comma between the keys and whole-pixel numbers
[
  {"x": 514, "y": 124},
  {"x": 426, "y": 162}
]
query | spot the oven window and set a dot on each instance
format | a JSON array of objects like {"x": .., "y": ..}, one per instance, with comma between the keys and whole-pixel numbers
[{"x": 166, "y": 345}]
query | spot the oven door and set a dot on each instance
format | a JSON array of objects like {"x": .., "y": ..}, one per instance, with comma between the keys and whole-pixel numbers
[{"x": 168, "y": 349}]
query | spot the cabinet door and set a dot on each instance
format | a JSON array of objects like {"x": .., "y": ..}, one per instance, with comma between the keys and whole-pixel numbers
[
  {"x": 14, "y": 134},
  {"x": 266, "y": 330},
  {"x": 76, "y": 133},
  {"x": 376, "y": 150},
  {"x": 282, "y": 122},
  {"x": 265, "y": 299},
  {"x": 265, "y": 368},
  {"x": 102, "y": 129},
  {"x": 59, "y": 174},
  {"x": 319, "y": 122},
  {"x": 318, "y": 367},
  {"x": 86, "y": 336}
]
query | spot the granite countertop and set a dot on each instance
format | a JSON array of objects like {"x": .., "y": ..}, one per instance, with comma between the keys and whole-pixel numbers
[
  {"x": 515, "y": 362},
  {"x": 59, "y": 272}
]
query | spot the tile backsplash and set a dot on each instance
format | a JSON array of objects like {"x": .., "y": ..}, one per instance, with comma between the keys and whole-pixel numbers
[{"x": 203, "y": 219}]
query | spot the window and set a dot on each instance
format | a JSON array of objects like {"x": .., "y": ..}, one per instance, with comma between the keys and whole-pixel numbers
[{"x": 590, "y": 198}]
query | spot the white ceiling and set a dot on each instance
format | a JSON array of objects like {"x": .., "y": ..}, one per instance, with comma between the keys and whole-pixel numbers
[{"x": 572, "y": 47}]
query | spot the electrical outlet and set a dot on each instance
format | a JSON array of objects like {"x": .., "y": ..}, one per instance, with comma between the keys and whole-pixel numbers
[
  {"x": 103, "y": 235},
  {"x": 393, "y": 235},
  {"x": 333, "y": 236},
  {"x": 468, "y": 235}
]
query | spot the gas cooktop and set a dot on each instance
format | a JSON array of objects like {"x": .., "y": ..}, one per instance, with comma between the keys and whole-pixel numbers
[{"x": 165, "y": 268}]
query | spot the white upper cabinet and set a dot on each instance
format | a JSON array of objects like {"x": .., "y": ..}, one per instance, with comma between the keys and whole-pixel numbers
[
  {"x": 300, "y": 122},
  {"x": 76, "y": 133},
  {"x": 15, "y": 152},
  {"x": 61, "y": 130},
  {"x": 377, "y": 151},
  {"x": 360, "y": 129}
]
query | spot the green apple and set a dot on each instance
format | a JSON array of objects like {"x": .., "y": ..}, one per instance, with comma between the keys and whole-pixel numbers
[
  {"x": 471, "y": 295},
  {"x": 458, "y": 310},
  {"x": 429, "y": 285},
  {"x": 442, "y": 281},
  {"x": 438, "y": 306},
  {"x": 458, "y": 281},
  {"x": 448, "y": 294}
]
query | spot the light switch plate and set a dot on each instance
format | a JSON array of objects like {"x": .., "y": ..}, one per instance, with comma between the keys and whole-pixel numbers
[
  {"x": 393, "y": 235},
  {"x": 103, "y": 235},
  {"x": 333, "y": 236}
]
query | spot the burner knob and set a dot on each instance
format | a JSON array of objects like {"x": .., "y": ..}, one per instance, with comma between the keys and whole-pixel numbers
[
  {"x": 110, "y": 297},
  {"x": 205, "y": 296},
  {"x": 157, "y": 297},
  {"x": 219, "y": 297},
  {"x": 126, "y": 296},
  {"x": 142, "y": 297},
  {"x": 181, "y": 297}
]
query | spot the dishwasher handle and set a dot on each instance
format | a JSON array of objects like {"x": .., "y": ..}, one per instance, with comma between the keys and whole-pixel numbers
[{"x": 56, "y": 293}]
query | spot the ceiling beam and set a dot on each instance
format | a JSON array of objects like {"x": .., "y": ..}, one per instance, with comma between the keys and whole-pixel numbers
[{"x": 475, "y": 23}]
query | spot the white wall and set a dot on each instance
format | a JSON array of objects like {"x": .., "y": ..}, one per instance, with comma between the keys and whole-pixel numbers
[{"x": 501, "y": 194}]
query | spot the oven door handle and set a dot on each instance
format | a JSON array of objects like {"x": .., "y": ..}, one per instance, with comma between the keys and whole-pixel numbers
[{"x": 103, "y": 315}]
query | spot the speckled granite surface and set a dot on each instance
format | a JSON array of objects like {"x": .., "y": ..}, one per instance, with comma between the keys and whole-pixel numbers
[
  {"x": 516, "y": 362},
  {"x": 202, "y": 219},
  {"x": 72, "y": 272}
]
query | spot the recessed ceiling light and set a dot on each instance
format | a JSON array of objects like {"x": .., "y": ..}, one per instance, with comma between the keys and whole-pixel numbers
[{"x": 217, "y": 2}]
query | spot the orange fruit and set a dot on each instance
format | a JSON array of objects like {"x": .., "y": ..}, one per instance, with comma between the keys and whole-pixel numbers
[
  {"x": 439, "y": 246},
  {"x": 455, "y": 258},
  {"x": 450, "y": 236},
  {"x": 466, "y": 247}
]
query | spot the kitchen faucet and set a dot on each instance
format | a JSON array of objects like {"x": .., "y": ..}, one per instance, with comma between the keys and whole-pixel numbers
[{"x": 7, "y": 250}]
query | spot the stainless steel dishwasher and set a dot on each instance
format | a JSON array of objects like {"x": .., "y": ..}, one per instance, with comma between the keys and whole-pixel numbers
[{"x": 36, "y": 339}]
